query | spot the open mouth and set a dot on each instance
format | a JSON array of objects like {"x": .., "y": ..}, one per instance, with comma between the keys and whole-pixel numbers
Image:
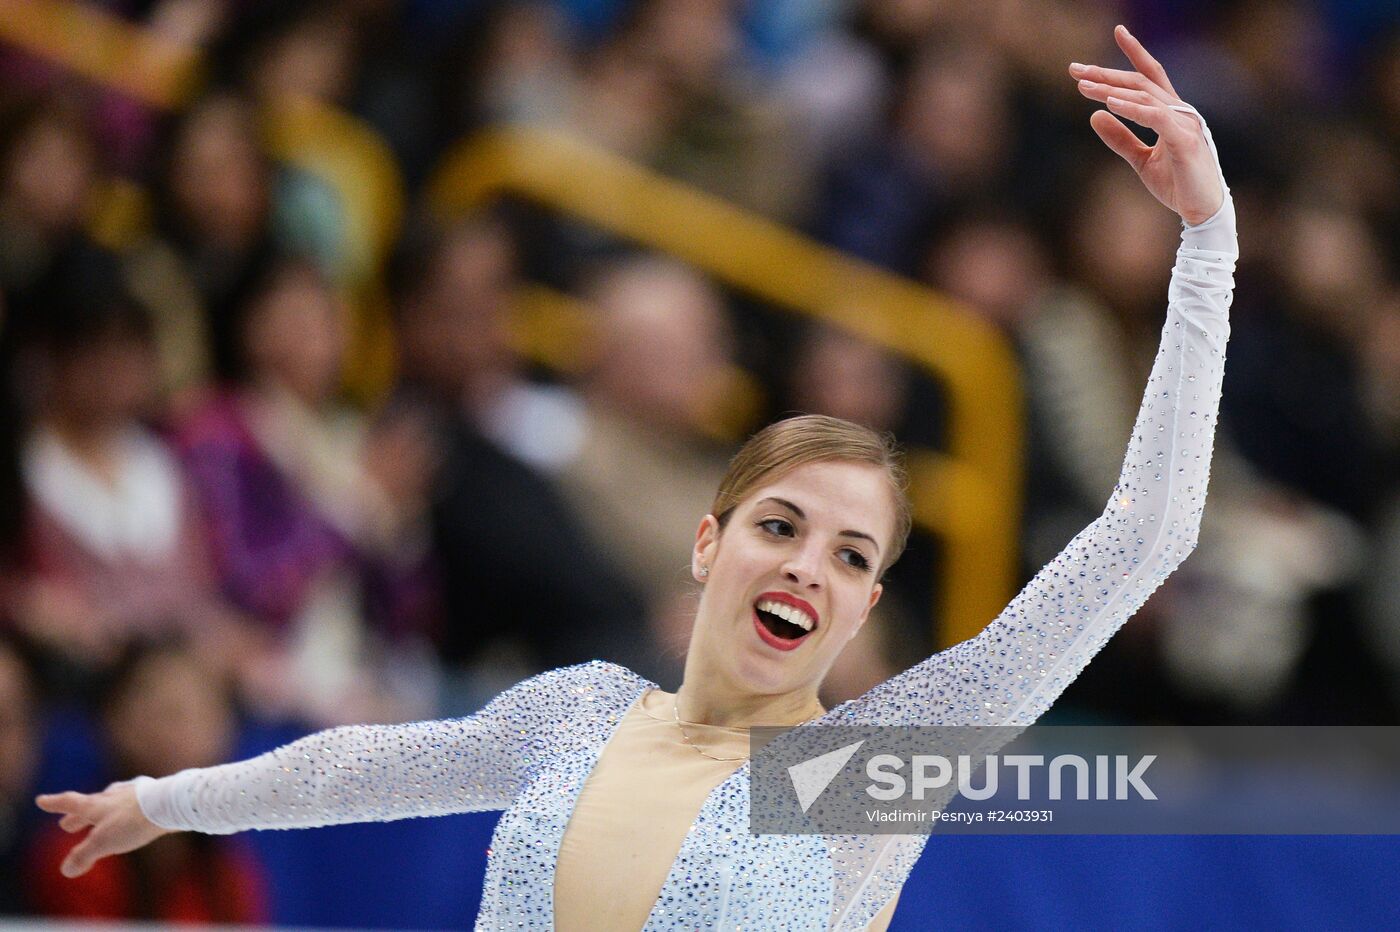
[{"x": 782, "y": 624}]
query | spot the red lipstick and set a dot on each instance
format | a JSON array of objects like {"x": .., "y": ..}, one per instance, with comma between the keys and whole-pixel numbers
[{"x": 771, "y": 639}]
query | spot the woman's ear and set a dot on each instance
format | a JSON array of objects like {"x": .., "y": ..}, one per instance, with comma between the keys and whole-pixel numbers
[
  {"x": 875, "y": 594},
  {"x": 702, "y": 558}
]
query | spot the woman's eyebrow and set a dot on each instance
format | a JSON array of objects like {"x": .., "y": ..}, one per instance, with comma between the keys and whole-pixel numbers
[
  {"x": 803, "y": 516},
  {"x": 863, "y": 536},
  {"x": 786, "y": 504}
]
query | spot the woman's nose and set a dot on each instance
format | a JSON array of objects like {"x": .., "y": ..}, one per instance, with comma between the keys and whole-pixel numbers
[{"x": 803, "y": 569}]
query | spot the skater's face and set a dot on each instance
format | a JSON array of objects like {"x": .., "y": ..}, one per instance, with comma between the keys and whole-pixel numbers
[{"x": 792, "y": 574}]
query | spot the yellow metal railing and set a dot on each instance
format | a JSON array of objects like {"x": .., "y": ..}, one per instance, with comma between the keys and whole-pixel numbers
[
  {"x": 105, "y": 48},
  {"x": 352, "y": 160},
  {"x": 971, "y": 496}
]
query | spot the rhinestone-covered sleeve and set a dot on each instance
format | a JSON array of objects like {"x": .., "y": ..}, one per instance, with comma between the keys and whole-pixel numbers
[
  {"x": 1011, "y": 672},
  {"x": 377, "y": 773}
]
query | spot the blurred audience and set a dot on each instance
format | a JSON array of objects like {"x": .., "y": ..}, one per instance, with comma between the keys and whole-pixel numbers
[
  {"x": 315, "y": 517},
  {"x": 523, "y": 586},
  {"x": 952, "y": 140},
  {"x": 113, "y": 545},
  {"x": 212, "y": 237},
  {"x": 837, "y": 374},
  {"x": 184, "y": 298},
  {"x": 161, "y": 711},
  {"x": 48, "y": 172},
  {"x": 645, "y": 472}
]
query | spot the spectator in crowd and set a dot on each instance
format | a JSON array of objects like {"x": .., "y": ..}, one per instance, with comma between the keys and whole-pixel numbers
[
  {"x": 645, "y": 467},
  {"x": 952, "y": 141},
  {"x": 526, "y": 73},
  {"x": 991, "y": 260},
  {"x": 836, "y": 373},
  {"x": 113, "y": 544},
  {"x": 1302, "y": 417},
  {"x": 314, "y": 516},
  {"x": 48, "y": 171},
  {"x": 313, "y": 54},
  {"x": 124, "y": 125},
  {"x": 213, "y": 238},
  {"x": 523, "y": 587},
  {"x": 1299, "y": 407},
  {"x": 161, "y": 711}
]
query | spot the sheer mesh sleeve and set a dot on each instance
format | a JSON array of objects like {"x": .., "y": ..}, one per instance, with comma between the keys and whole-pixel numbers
[
  {"x": 378, "y": 773},
  {"x": 1011, "y": 672}
]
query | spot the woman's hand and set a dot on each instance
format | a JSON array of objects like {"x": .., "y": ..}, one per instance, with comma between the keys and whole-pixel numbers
[
  {"x": 1179, "y": 169},
  {"x": 115, "y": 817}
]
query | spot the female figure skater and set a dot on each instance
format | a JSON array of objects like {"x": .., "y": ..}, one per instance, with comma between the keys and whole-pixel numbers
[{"x": 627, "y": 807}]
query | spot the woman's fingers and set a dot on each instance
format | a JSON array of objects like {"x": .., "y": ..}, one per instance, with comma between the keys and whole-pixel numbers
[
  {"x": 1131, "y": 80},
  {"x": 84, "y": 854},
  {"x": 115, "y": 817},
  {"x": 1142, "y": 60},
  {"x": 1119, "y": 138},
  {"x": 1178, "y": 169},
  {"x": 1149, "y": 78},
  {"x": 1156, "y": 118},
  {"x": 62, "y": 803},
  {"x": 1101, "y": 92}
]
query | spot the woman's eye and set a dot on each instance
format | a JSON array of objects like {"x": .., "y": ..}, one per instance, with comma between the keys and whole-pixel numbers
[
  {"x": 855, "y": 558},
  {"x": 777, "y": 527}
]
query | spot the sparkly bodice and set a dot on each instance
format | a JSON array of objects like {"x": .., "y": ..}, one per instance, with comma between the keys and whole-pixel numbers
[{"x": 530, "y": 751}]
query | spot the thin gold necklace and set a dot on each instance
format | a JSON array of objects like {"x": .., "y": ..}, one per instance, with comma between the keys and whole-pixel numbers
[{"x": 685, "y": 738}]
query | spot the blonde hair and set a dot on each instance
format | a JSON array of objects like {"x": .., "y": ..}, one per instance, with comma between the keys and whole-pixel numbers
[{"x": 785, "y": 445}]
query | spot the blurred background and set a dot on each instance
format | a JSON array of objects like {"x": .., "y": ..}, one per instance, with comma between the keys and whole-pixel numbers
[{"x": 362, "y": 357}]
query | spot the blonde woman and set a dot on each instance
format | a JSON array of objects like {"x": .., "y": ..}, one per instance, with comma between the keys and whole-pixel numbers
[{"x": 627, "y": 807}]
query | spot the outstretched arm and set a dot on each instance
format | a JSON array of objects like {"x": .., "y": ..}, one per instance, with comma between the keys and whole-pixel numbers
[
  {"x": 359, "y": 773},
  {"x": 1011, "y": 672}
]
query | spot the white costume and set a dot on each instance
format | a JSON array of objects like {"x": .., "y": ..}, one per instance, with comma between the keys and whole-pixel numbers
[{"x": 532, "y": 749}]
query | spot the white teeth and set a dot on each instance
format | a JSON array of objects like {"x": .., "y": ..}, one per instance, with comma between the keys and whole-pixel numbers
[{"x": 788, "y": 613}]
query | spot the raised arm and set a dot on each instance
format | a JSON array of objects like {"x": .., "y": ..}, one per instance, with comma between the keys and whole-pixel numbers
[
  {"x": 1011, "y": 672},
  {"x": 359, "y": 773}
]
